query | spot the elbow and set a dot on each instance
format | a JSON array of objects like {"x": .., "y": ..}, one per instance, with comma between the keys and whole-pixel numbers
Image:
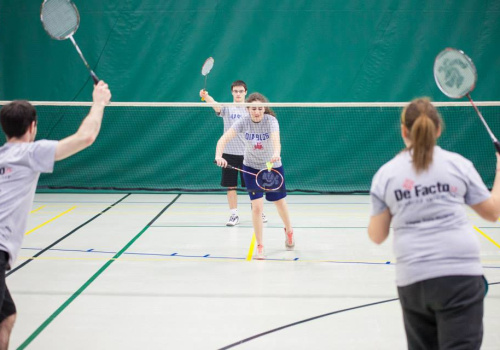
[
  {"x": 493, "y": 217},
  {"x": 89, "y": 140},
  {"x": 376, "y": 238},
  {"x": 86, "y": 140}
]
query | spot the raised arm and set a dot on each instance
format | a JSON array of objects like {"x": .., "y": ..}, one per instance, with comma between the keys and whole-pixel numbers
[
  {"x": 228, "y": 136},
  {"x": 209, "y": 99},
  {"x": 89, "y": 129},
  {"x": 490, "y": 208}
]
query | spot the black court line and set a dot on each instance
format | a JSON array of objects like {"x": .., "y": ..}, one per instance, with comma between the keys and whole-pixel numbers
[
  {"x": 92, "y": 279},
  {"x": 64, "y": 237},
  {"x": 304, "y": 321},
  {"x": 312, "y": 319}
]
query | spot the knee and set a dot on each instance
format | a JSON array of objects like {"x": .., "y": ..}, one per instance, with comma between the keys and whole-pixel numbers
[{"x": 257, "y": 208}]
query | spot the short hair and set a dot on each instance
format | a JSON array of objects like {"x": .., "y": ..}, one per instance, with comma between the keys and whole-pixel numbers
[
  {"x": 239, "y": 83},
  {"x": 16, "y": 117}
]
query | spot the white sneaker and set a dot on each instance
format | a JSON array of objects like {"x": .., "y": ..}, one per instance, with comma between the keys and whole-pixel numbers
[
  {"x": 260, "y": 253},
  {"x": 289, "y": 241},
  {"x": 264, "y": 217},
  {"x": 233, "y": 220}
]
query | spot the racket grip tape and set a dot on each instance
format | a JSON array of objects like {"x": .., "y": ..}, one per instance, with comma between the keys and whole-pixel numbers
[
  {"x": 94, "y": 78},
  {"x": 227, "y": 166},
  {"x": 497, "y": 146}
]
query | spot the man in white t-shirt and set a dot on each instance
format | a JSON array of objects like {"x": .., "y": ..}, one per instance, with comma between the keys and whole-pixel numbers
[
  {"x": 235, "y": 149},
  {"x": 22, "y": 159}
]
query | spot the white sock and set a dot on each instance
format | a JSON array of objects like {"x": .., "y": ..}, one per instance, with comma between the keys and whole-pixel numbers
[{"x": 234, "y": 212}]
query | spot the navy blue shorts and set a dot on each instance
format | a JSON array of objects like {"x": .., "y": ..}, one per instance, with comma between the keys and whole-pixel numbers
[{"x": 255, "y": 192}]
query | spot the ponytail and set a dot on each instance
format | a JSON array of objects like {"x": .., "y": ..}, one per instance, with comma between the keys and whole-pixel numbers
[{"x": 422, "y": 120}]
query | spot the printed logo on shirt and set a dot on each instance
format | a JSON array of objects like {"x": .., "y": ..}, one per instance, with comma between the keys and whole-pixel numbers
[
  {"x": 410, "y": 190},
  {"x": 235, "y": 116},
  {"x": 5, "y": 171},
  {"x": 258, "y": 137},
  {"x": 258, "y": 145},
  {"x": 408, "y": 184}
]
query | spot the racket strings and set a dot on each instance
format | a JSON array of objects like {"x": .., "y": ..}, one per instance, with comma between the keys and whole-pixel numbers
[{"x": 60, "y": 18}]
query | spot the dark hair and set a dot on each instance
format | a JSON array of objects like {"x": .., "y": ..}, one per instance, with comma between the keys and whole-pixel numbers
[
  {"x": 423, "y": 121},
  {"x": 255, "y": 96},
  {"x": 16, "y": 117},
  {"x": 239, "y": 83}
]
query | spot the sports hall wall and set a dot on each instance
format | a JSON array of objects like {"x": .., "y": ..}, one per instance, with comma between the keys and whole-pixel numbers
[{"x": 291, "y": 51}]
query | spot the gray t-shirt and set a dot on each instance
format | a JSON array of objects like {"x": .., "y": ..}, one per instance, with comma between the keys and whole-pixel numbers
[
  {"x": 231, "y": 115},
  {"x": 20, "y": 168},
  {"x": 432, "y": 233},
  {"x": 258, "y": 143}
]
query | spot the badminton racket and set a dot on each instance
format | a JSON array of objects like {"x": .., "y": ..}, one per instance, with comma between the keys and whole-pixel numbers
[
  {"x": 456, "y": 77},
  {"x": 267, "y": 179},
  {"x": 205, "y": 69},
  {"x": 60, "y": 19}
]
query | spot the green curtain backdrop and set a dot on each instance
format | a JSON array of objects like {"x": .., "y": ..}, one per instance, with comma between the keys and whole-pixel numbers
[{"x": 291, "y": 51}]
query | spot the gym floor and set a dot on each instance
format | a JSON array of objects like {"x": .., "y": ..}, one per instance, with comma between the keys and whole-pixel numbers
[{"x": 162, "y": 271}]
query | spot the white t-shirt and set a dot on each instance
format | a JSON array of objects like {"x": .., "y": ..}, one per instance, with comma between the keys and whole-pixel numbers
[
  {"x": 432, "y": 233},
  {"x": 20, "y": 168},
  {"x": 258, "y": 143},
  {"x": 231, "y": 115}
]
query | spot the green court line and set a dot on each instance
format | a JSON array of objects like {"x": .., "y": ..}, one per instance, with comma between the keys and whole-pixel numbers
[{"x": 90, "y": 280}]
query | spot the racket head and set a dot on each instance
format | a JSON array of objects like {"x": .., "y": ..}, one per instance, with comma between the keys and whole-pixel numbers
[
  {"x": 269, "y": 180},
  {"x": 60, "y": 18},
  {"x": 455, "y": 73},
  {"x": 207, "y": 66}
]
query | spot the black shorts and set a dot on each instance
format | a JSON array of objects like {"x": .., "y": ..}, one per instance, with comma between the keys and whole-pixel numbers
[
  {"x": 230, "y": 176},
  {"x": 444, "y": 313},
  {"x": 7, "y": 306}
]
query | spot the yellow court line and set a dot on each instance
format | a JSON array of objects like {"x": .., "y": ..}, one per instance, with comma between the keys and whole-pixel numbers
[
  {"x": 486, "y": 236},
  {"x": 34, "y": 211},
  {"x": 46, "y": 222},
  {"x": 252, "y": 246}
]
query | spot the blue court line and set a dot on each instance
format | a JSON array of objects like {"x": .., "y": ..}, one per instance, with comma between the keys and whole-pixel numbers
[
  {"x": 65, "y": 236},
  {"x": 92, "y": 279},
  {"x": 209, "y": 256}
]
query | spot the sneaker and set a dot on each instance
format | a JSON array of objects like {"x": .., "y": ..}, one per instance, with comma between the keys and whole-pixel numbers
[
  {"x": 233, "y": 220},
  {"x": 260, "y": 253},
  {"x": 289, "y": 241},
  {"x": 264, "y": 217}
]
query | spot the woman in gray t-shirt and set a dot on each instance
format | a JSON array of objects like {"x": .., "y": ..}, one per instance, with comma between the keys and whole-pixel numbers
[
  {"x": 262, "y": 145},
  {"x": 422, "y": 192}
]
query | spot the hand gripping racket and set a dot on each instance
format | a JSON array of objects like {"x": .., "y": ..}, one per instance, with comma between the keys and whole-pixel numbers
[
  {"x": 456, "y": 77},
  {"x": 60, "y": 19},
  {"x": 205, "y": 69},
  {"x": 267, "y": 179}
]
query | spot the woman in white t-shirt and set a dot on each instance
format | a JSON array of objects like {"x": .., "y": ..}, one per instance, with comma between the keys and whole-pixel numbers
[
  {"x": 262, "y": 145},
  {"x": 422, "y": 192}
]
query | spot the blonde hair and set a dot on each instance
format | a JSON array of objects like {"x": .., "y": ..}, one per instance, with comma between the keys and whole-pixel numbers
[{"x": 423, "y": 122}]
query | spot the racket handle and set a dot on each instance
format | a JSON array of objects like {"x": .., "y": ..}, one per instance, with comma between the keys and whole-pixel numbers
[
  {"x": 228, "y": 166},
  {"x": 94, "y": 77},
  {"x": 497, "y": 146}
]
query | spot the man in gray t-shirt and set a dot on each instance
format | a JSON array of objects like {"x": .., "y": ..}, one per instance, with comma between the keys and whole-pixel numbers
[
  {"x": 22, "y": 159},
  {"x": 235, "y": 149}
]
